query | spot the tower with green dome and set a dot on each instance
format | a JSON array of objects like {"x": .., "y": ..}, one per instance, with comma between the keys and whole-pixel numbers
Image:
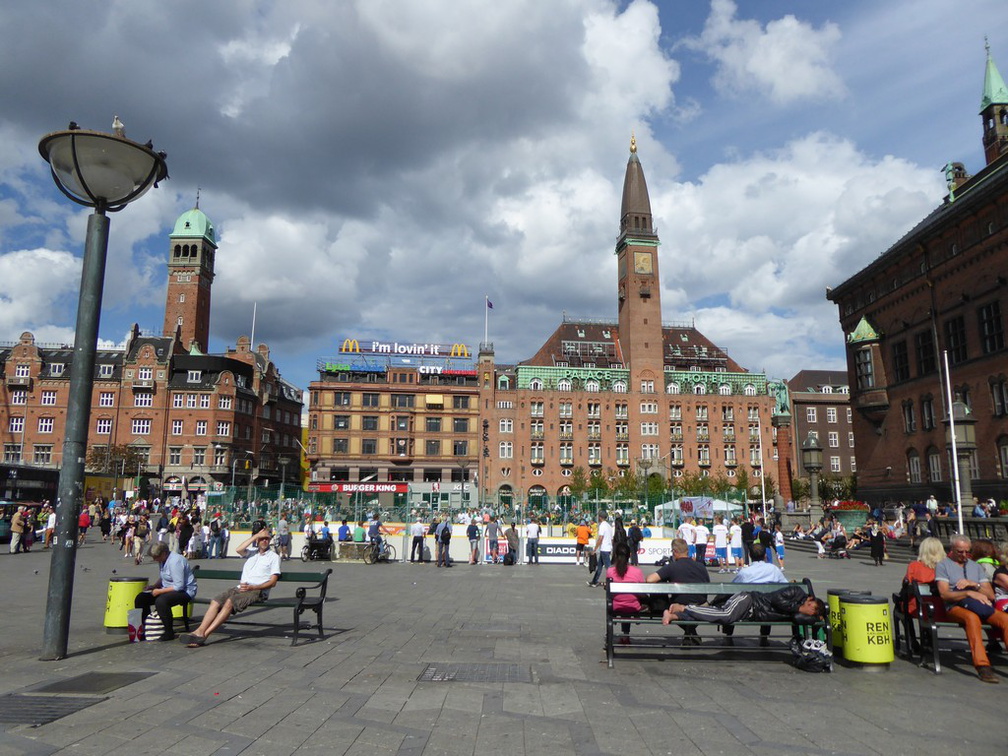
[
  {"x": 994, "y": 112},
  {"x": 193, "y": 246}
]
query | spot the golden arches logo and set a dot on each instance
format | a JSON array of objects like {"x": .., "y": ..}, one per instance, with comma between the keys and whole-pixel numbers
[
  {"x": 459, "y": 350},
  {"x": 350, "y": 345}
]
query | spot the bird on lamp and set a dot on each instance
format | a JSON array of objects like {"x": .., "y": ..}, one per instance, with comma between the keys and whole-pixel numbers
[
  {"x": 73, "y": 126},
  {"x": 118, "y": 127}
]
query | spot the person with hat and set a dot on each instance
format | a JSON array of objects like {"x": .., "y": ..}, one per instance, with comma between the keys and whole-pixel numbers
[{"x": 260, "y": 573}]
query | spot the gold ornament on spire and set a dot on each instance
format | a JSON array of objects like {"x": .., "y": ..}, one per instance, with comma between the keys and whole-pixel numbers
[{"x": 633, "y": 143}]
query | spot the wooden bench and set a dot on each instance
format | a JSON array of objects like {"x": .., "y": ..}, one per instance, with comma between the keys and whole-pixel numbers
[
  {"x": 653, "y": 618},
  {"x": 930, "y": 622},
  {"x": 315, "y": 582}
]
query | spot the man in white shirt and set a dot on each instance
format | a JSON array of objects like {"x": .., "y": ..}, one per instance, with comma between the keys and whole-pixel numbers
[
  {"x": 720, "y": 532},
  {"x": 416, "y": 549},
  {"x": 701, "y": 535},
  {"x": 603, "y": 547},
  {"x": 532, "y": 531},
  {"x": 260, "y": 573},
  {"x": 735, "y": 537},
  {"x": 687, "y": 532}
]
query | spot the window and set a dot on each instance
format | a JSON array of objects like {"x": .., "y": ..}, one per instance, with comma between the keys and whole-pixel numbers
[
  {"x": 535, "y": 385},
  {"x": 460, "y": 448},
  {"x": 369, "y": 446},
  {"x": 341, "y": 422},
  {"x": 676, "y": 454},
  {"x": 22, "y": 371},
  {"x": 537, "y": 428},
  {"x": 594, "y": 454},
  {"x": 675, "y": 412},
  {"x": 701, "y": 412},
  {"x": 853, "y": 464},
  {"x": 831, "y": 414},
  {"x": 850, "y": 415},
  {"x": 176, "y": 427},
  {"x": 595, "y": 409},
  {"x": 12, "y": 453},
  {"x": 402, "y": 400},
  {"x": 201, "y": 427},
  {"x": 647, "y": 387},
  {"x": 223, "y": 428},
  {"x": 699, "y": 389},
  {"x": 42, "y": 454},
  {"x": 19, "y": 396},
  {"x": 369, "y": 400},
  {"x": 45, "y": 425},
  {"x": 850, "y": 439},
  {"x": 834, "y": 440},
  {"x": 220, "y": 457},
  {"x": 703, "y": 454},
  {"x": 672, "y": 388},
  {"x": 703, "y": 432},
  {"x": 204, "y": 402},
  {"x": 432, "y": 448},
  {"x": 107, "y": 399},
  {"x": 16, "y": 425},
  {"x": 195, "y": 376},
  {"x": 934, "y": 466},
  {"x": 901, "y": 362},
  {"x": 566, "y": 409},
  {"x": 199, "y": 456},
  {"x": 991, "y": 329},
  {"x": 913, "y": 466},
  {"x": 834, "y": 464},
  {"x": 224, "y": 402},
  {"x": 622, "y": 411},
  {"x": 460, "y": 402},
  {"x": 191, "y": 400},
  {"x": 649, "y": 408},
  {"x": 724, "y": 389},
  {"x": 57, "y": 368},
  {"x": 924, "y": 347},
  {"x": 955, "y": 340},
  {"x": 178, "y": 401},
  {"x": 675, "y": 431},
  {"x": 749, "y": 390},
  {"x": 909, "y": 420},
  {"x": 433, "y": 424},
  {"x": 141, "y": 427},
  {"x": 143, "y": 399},
  {"x": 145, "y": 374},
  {"x": 564, "y": 384},
  {"x": 175, "y": 455},
  {"x": 105, "y": 371},
  {"x": 460, "y": 424},
  {"x": 369, "y": 422},
  {"x": 810, "y": 414},
  {"x": 649, "y": 429},
  {"x": 506, "y": 450},
  {"x": 536, "y": 409},
  {"x": 103, "y": 426},
  {"x": 401, "y": 422},
  {"x": 864, "y": 369},
  {"x": 729, "y": 455},
  {"x": 592, "y": 386},
  {"x": 927, "y": 413}
]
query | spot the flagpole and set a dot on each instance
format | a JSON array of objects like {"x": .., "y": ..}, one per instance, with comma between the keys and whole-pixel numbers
[
  {"x": 252, "y": 339},
  {"x": 486, "y": 318}
]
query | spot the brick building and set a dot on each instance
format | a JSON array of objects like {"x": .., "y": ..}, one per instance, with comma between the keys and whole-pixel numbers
[
  {"x": 627, "y": 396},
  {"x": 195, "y": 419},
  {"x": 820, "y": 404},
  {"x": 936, "y": 291}
]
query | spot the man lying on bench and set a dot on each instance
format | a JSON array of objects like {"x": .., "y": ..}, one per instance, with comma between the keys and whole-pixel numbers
[
  {"x": 260, "y": 573},
  {"x": 790, "y": 603}
]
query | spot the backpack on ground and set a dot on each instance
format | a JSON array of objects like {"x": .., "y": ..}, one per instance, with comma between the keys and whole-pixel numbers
[
  {"x": 811, "y": 655},
  {"x": 509, "y": 559}
]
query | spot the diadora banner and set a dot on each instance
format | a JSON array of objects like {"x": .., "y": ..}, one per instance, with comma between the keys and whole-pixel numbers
[
  {"x": 365, "y": 488},
  {"x": 563, "y": 550},
  {"x": 395, "y": 347}
]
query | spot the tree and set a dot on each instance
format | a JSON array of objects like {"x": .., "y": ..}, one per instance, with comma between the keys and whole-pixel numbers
[
  {"x": 598, "y": 487},
  {"x": 115, "y": 459},
  {"x": 579, "y": 484}
]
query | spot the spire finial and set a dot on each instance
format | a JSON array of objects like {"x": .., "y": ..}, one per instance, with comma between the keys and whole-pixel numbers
[
  {"x": 197, "y": 197},
  {"x": 633, "y": 144},
  {"x": 987, "y": 45}
]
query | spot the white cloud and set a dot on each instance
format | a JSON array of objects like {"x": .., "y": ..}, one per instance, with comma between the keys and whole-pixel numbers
[
  {"x": 787, "y": 59},
  {"x": 32, "y": 283}
]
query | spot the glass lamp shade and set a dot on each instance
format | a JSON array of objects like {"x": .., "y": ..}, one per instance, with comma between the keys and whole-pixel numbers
[
  {"x": 101, "y": 170},
  {"x": 811, "y": 454}
]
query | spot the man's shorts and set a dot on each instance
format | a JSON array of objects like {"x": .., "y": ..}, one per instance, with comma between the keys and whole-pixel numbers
[
  {"x": 579, "y": 548},
  {"x": 780, "y": 552},
  {"x": 691, "y": 551},
  {"x": 284, "y": 540},
  {"x": 721, "y": 553},
  {"x": 240, "y": 600},
  {"x": 736, "y": 552}
]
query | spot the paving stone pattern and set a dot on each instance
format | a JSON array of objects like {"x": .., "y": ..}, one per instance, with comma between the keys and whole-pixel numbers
[{"x": 518, "y": 657}]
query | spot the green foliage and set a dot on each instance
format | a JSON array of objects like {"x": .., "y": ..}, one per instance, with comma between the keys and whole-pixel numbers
[
  {"x": 579, "y": 484},
  {"x": 115, "y": 459}
]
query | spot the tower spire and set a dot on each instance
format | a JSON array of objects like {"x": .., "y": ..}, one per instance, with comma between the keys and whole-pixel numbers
[{"x": 994, "y": 110}]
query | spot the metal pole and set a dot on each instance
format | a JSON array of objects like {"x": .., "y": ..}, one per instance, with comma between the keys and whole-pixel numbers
[
  {"x": 56, "y": 628},
  {"x": 952, "y": 435}
]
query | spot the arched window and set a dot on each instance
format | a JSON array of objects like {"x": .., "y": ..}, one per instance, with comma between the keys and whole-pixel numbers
[
  {"x": 504, "y": 383},
  {"x": 913, "y": 466},
  {"x": 724, "y": 389},
  {"x": 619, "y": 387},
  {"x": 592, "y": 386},
  {"x": 672, "y": 388},
  {"x": 564, "y": 384},
  {"x": 535, "y": 384},
  {"x": 749, "y": 390},
  {"x": 699, "y": 388}
]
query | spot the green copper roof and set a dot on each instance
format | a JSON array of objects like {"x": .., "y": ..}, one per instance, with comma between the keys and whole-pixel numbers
[
  {"x": 194, "y": 223},
  {"x": 863, "y": 332},
  {"x": 994, "y": 91}
]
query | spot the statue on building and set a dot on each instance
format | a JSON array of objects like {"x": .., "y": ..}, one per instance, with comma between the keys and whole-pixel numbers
[{"x": 779, "y": 391}]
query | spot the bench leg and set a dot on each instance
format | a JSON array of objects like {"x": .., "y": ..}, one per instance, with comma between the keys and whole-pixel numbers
[{"x": 318, "y": 614}]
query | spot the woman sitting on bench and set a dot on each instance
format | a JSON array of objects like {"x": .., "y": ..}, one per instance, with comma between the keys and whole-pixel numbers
[{"x": 621, "y": 571}]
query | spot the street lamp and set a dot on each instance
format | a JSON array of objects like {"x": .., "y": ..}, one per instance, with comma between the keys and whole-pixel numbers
[
  {"x": 811, "y": 453},
  {"x": 645, "y": 465},
  {"x": 104, "y": 172},
  {"x": 960, "y": 435}
]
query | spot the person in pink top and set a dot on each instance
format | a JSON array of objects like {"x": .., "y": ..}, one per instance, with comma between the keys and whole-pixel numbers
[{"x": 621, "y": 571}]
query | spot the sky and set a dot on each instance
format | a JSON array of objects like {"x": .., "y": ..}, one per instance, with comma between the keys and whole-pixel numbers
[{"x": 376, "y": 168}]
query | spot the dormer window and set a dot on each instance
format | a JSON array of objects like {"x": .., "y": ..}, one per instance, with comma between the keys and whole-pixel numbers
[
  {"x": 105, "y": 371},
  {"x": 195, "y": 376},
  {"x": 56, "y": 368}
]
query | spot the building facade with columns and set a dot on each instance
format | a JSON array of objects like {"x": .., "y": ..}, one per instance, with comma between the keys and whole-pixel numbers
[
  {"x": 194, "y": 421},
  {"x": 924, "y": 320}
]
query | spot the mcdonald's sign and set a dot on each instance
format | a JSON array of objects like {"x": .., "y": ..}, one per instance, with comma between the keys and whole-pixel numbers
[
  {"x": 459, "y": 350},
  {"x": 350, "y": 345}
]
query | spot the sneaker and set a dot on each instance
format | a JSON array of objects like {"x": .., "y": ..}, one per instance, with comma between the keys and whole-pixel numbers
[
  {"x": 590, "y": 584},
  {"x": 986, "y": 674}
]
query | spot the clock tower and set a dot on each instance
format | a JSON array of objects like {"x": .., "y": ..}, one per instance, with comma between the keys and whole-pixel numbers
[
  {"x": 639, "y": 287},
  {"x": 193, "y": 246}
]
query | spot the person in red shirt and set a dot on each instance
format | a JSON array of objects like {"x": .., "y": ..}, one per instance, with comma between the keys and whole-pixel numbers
[{"x": 83, "y": 523}]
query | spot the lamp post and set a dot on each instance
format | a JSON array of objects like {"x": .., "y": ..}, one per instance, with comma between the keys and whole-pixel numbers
[
  {"x": 104, "y": 172},
  {"x": 811, "y": 452},
  {"x": 960, "y": 435},
  {"x": 645, "y": 465}
]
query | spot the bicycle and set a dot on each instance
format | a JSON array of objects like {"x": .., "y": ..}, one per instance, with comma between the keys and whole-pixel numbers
[{"x": 385, "y": 552}]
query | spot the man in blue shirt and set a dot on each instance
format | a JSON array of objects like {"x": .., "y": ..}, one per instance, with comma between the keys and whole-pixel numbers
[
  {"x": 176, "y": 586},
  {"x": 344, "y": 532}
]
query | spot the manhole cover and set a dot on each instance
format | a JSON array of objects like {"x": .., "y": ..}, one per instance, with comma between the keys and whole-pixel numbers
[
  {"x": 95, "y": 683},
  {"x": 475, "y": 673},
  {"x": 39, "y": 710}
]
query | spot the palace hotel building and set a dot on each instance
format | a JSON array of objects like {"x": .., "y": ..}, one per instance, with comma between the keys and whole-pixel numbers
[{"x": 622, "y": 396}]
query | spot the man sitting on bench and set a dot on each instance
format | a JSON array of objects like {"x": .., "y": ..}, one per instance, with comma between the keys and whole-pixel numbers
[
  {"x": 260, "y": 573},
  {"x": 790, "y": 603}
]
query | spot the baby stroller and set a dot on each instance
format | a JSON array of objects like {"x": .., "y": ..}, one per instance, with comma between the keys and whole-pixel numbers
[{"x": 838, "y": 548}]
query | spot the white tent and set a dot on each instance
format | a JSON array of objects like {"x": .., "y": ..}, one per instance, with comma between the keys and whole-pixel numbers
[{"x": 694, "y": 506}]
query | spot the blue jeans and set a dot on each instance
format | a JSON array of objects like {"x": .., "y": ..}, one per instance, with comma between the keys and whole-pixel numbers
[
  {"x": 532, "y": 550},
  {"x": 603, "y": 564}
]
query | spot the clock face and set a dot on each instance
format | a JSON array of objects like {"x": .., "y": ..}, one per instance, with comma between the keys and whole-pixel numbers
[{"x": 642, "y": 263}]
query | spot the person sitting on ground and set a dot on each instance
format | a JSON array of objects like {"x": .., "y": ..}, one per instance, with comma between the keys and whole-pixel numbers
[
  {"x": 175, "y": 586},
  {"x": 789, "y": 603},
  {"x": 798, "y": 533},
  {"x": 682, "y": 569},
  {"x": 260, "y": 573},
  {"x": 969, "y": 601},
  {"x": 621, "y": 571}
]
